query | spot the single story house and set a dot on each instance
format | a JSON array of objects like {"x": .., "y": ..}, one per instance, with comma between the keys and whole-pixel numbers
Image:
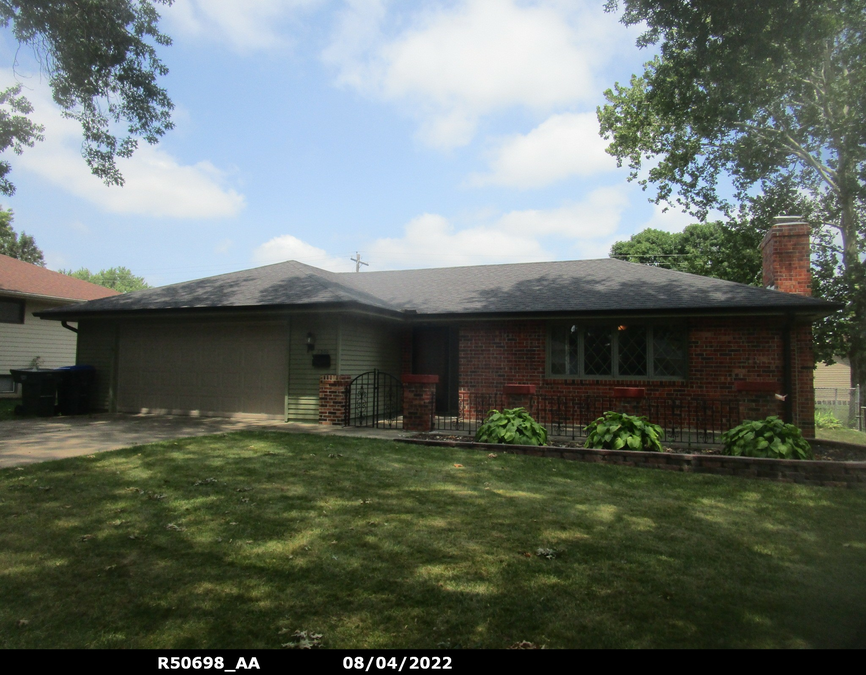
[
  {"x": 280, "y": 340},
  {"x": 26, "y": 289}
]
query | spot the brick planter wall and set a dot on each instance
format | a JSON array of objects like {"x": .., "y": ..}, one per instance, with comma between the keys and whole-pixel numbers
[
  {"x": 830, "y": 474},
  {"x": 332, "y": 399},
  {"x": 419, "y": 401}
]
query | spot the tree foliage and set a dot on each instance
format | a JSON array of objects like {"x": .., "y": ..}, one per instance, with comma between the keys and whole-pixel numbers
[
  {"x": 118, "y": 278},
  {"x": 102, "y": 66},
  {"x": 23, "y": 246},
  {"x": 710, "y": 249},
  {"x": 749, "y": 98}
]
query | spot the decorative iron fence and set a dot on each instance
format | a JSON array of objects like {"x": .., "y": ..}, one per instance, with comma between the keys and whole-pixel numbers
[
  {"x": 683, "y": 421},
  {"x": 374, "y": 399}
]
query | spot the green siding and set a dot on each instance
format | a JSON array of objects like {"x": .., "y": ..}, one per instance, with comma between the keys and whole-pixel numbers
[
  {"x": 97, "y": 347},
  {"x": 302, "y": 404},
  {"x": 367, "y": 345}
]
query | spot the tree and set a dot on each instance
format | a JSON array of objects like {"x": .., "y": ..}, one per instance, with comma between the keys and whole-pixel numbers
[
  {"x": 118, "y": 278},
  {"x": 709, "y": 249},
  {"x": 23, "y": 246},
  {"x": 756, "y": 98},
  {"x": 102, "y": 69}
]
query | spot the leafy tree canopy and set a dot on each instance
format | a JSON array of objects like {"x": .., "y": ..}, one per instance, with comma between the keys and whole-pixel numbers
[
  {"x": 118, "y": 278},
  {"x": 22, "y": 247},
  {"x": 101, "y": 63},
  {"x": 756, "y": 98}
]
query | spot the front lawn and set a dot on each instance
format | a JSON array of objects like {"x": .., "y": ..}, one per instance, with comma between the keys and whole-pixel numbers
[
  {"x": 242, "y": 540},
  {"x": 844, "y": 435}
]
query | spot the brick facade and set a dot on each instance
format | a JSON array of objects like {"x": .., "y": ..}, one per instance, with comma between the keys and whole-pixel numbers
[{"x": 722, "y": 352}]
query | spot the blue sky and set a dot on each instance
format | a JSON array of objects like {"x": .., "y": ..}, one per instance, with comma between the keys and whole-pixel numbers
[{"x": 422, "y": 134}]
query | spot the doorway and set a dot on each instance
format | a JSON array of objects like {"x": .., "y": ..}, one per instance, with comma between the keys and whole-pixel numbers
[{"x": 435, "y": 351}]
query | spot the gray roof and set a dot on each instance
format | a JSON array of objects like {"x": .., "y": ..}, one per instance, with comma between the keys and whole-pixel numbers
[{"x": 578, "y": 286}]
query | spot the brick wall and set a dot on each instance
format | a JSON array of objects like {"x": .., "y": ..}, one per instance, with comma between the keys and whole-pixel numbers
[
  {"x": 332, "y": 399},
  {"x": 786, "y": 254},
  {"x": 722, "y": 352}
]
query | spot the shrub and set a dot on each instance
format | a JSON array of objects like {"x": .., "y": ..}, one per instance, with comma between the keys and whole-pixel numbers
[
  {"x": 617, "y": 431},
  {"x": 766, "y": 438},
  {"x": 826, "y": 420},
  {"x": 512, "y": 425}
]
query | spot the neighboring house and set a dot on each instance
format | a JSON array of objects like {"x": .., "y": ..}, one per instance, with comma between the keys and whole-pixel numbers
[
  {"x": 24, "y": 290},
  {"x": 837, "y": 376},
  {"x": 262, "y": 341}
]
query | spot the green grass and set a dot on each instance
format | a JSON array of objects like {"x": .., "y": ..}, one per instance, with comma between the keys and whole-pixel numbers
[
  {"x": 844, "y": 435},
  {"x": 238, "y": 541},
  {"x": 7, "y": 408}
]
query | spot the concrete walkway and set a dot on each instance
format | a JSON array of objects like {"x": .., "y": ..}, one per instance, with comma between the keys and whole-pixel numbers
[{"x": 32, "y": 440}]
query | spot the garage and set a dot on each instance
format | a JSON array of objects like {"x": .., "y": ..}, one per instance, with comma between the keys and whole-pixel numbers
[{"x": 203, "y": 368}]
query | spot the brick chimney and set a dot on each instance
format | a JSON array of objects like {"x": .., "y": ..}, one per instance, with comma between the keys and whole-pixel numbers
[{"x": 786, "y": 251}]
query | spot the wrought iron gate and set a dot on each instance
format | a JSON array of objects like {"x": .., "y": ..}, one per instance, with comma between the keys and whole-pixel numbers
[{"x": 375, "y": 399}]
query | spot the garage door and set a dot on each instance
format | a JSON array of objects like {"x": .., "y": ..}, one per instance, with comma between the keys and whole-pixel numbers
[{"x": 203, "y": 368}]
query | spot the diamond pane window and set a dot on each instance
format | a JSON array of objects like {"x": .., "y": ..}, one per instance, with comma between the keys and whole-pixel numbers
[
  {"x": 597, "y": 352},
  {"x": 632, "y": 351},
  {"x": 563, "y": 350},
  {"x": 669, "y": 352}
]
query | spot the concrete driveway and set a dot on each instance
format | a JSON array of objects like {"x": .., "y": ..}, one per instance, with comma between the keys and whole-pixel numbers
[{"x": 41, "y": 439}]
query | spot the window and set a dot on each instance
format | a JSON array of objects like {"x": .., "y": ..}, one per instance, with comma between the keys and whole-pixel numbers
[
  {"x": 626, "y": 351},
  {"x": 7, "y": 386},
  {"x": 11, "y": 311}
]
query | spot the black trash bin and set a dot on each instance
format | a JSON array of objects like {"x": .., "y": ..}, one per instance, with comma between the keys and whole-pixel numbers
[
  {"x": 74, "y": 384},
  {"x": 38, "y": 390}
]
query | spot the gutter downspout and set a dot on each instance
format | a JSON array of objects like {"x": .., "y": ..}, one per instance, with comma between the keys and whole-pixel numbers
[
  {"x": 787, "y": 370},
  {"x": 68, "y": 327}
]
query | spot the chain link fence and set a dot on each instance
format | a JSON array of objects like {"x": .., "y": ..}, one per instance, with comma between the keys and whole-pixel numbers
[{"x": 840, "y": 408}]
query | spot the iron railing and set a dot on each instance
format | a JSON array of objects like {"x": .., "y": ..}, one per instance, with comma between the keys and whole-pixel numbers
[
  {"x": 683, "y": 421},
  {"x": 374, "y": 399}
]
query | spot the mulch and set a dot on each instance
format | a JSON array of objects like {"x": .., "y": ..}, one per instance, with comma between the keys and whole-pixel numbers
[{"x": 822, "y": 451}]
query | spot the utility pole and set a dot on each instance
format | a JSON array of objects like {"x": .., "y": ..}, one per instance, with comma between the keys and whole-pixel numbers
[{"x": 358, "y": 262}]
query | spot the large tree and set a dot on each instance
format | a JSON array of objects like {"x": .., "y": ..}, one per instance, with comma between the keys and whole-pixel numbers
[
  {"x": 118, "y": 278},
  {"x": 20, "y": 246},
  {"x": 750, "y": 97},
  {"x": 101, "y": 62}
]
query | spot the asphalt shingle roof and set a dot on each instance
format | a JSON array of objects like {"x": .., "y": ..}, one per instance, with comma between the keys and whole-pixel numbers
[
  {"x": 579, "y": 286},
  {"x": 19, "y": 277}
]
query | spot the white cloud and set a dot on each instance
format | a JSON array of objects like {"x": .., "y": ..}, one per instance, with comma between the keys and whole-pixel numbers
[
  {"x": 672, "y": 220},
  {"x": 156, "y": 184},
  {"x": 286, "y": 247},
  {"x": 577, "y": 230},
  {"x": 431, "y": 240},
  {"x": 250, "y": 25},
  {"x": 458, "y": 63},
  {"x": 564, "y": 145}
]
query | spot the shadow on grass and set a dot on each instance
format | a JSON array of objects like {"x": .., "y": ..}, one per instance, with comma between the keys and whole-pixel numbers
[{"x": 226, "y": 541}]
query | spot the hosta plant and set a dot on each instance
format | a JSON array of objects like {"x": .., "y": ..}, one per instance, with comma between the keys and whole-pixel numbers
[
  {"x": 618, "y": 431},
  {"x": 826, "y": 420},
  {"x": 766, "y": 438},
  {"x": 512, "y": 425}
]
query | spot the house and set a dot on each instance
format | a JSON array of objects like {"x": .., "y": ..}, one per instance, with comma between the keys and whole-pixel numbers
[
  {"x": 286, "y": 339},
  {"x": 24, "y": 290}
]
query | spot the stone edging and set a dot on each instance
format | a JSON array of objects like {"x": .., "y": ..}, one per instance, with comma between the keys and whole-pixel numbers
[{"x": 805, "y": 472}]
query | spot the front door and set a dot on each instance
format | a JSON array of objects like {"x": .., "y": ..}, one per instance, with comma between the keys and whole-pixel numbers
[{"x": 435, "y": 352}]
